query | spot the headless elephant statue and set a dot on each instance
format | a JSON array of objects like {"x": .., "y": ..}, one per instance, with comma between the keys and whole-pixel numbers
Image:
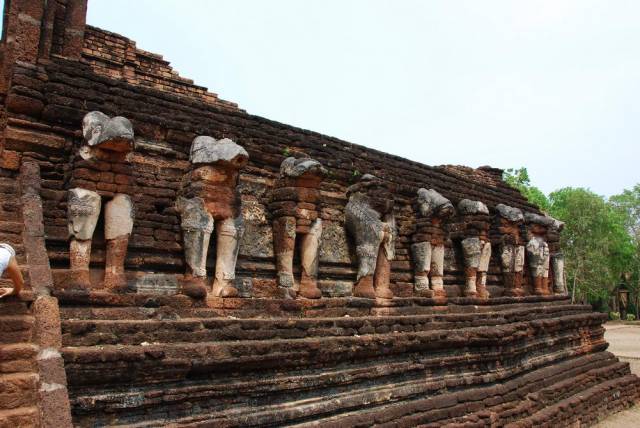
[
  {"x": 511, "y": 248},
  {"x": 428, "y": 241},
  {"x": 476, "y": 248},
  {"x": 210, "y": 202},
  {"x": 295, "y": 212},
  {"x": 100, "y": 173},
  {"x": 538, "y": 256},
  {"x": 370, "y": 221}
]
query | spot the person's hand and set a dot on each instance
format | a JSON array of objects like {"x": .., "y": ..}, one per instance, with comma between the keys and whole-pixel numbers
[{"x": 7, "y": 291}]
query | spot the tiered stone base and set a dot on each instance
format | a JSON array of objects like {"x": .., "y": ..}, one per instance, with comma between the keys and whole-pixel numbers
[{"x": 152, "y": 361}]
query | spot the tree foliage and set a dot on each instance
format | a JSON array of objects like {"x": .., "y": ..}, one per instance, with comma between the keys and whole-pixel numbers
[
  {"x": 601, "y": 238},
  {"x": 596, "y": 244},
  {"x": 519, "y": 178},
  {"x": 628, "y": 205}
]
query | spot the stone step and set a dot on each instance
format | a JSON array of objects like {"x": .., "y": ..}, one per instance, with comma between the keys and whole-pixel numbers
[
  {"x": 272, "y": 308},
  {"x": 18, "y": 357},
  {"x": 113, "y": 364},
  {"x": 135, "y": 332},
  {"x": 390, "y": 401},
  {"x": 18, "y": 390},
  {"x": 587, "y": 406},
  {"x": 226, "y": 393},
  {"x": 16, "y": 328},
  {"x": 487, "y": 405},
  {"x": 14, "y": 307},
  {"x": 21, "y": 417},
  {"x": 165, "y": 363},
  {"x": 566, "y": 388},
  {"x": 410, "y": 305},
  {"x": 97, "y": 304},
  {"x": 547, "y": 391}
]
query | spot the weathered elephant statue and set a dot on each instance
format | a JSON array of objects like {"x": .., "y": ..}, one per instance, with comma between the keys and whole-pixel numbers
[
  {"x": 476, "y": 247},
  {"x": 428, "y": 241},
  {"x": 101, "y": 173},
  {"x": 294, "y": 206},
  {"x": 512, "y": 250},
  {"x": 370, "y": 221},
  {"x": 538, "y": 256},
  {"x": 209, "y": 202}
]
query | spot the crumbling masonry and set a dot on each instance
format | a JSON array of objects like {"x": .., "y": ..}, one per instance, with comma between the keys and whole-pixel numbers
[{"x": 343, "y": 286}]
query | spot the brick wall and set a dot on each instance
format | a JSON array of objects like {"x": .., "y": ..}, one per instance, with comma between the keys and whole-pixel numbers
[
  {"x": 46, "y": 106},
  {"x": 116, "y": 56},
  {"x": 10, "y": 209},
  {"x": 132, "y": 359}
]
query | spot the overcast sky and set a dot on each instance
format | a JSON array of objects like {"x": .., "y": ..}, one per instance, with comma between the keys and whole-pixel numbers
[{"x": 552, "y": 85}]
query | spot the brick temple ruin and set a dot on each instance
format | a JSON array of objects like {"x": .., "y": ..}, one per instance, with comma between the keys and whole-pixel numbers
[{"x": 190, "y": 264}]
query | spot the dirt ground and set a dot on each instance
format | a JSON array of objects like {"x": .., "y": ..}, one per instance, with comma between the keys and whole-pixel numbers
[{"x": 624, "y": 342}]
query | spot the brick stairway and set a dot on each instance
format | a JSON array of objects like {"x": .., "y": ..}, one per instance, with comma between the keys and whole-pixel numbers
[
  {"x": 18, "y": 366},
  {"x": 339, "y": 362}
]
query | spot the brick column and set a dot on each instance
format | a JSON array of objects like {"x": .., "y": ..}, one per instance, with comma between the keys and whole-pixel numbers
[
  {"x": 20, "y": 35},
  {"x": 75, "y": 22},
  {"x": 33, "y": 239},
  {"x": 53, "y": 397},
  {"x": 23, "y": 19}
]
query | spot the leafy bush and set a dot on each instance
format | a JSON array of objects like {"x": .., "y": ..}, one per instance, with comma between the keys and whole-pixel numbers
[
  {"x": 631, "y": 317},
  {"x": 615, "y": 316}
]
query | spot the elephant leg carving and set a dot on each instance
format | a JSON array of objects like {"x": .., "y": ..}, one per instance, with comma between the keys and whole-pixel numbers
[
  {"x": 483, "y": 267},
  {"x": 437, "y": 271},
  {"x": 382, "y": 275},
  {"x": 422, "y": 262},
  {"x": 118, "y": 221},
  {"x": 229, "y": 232},
  {"x": 471, "y": 249},
  {"x": 284, "y": 237},
  {"x": 83, "y": 210},
  {"x": 309, "y": 248}
]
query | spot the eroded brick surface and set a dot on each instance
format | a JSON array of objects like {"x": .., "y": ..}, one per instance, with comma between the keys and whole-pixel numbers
[{"x": 135, "y": 357}]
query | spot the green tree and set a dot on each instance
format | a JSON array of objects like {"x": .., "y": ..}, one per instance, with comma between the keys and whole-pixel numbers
[
  {"x": 595, "y": 241},
  {"x": 628, "y": 205},
  {"x": 519, "y": 179}
]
